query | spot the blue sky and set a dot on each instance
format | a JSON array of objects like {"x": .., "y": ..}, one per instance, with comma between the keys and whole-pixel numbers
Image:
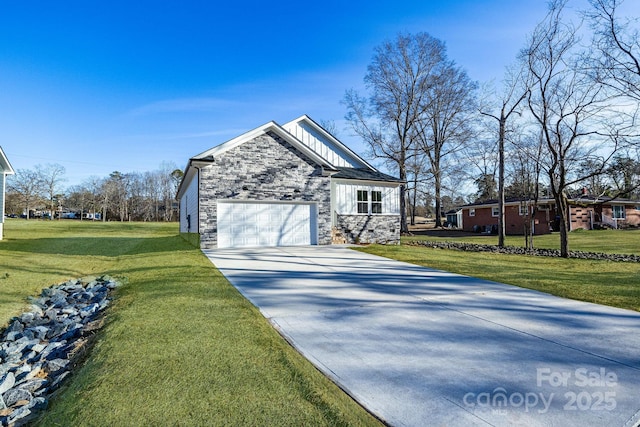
[{"x": 126, "y": 85}]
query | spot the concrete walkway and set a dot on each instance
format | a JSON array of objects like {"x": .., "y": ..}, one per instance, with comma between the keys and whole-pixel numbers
[{"x": 420, "y": 347}]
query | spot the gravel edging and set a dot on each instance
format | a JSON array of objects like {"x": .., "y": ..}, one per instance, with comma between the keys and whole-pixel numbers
[
  {"x": 39, "y": 348},
  {"x": 517, "y": 250}
]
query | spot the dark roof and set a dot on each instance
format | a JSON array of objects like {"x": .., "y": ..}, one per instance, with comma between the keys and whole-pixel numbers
[
  {"x": 584, "y": 199},
  {"x": 361, "y": 174}
]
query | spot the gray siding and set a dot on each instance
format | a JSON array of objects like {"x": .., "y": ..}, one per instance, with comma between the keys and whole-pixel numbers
[{"x": 266, "y": 168}]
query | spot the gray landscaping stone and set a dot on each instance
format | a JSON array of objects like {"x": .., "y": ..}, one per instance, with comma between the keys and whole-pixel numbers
[
  {"x": 36, "y": 347},
  {"x": 6, "y": 382},
  {"x": 15, "y": 326},
  {"x": 56, "y": 365},
  {"x": 33, "y": 384},
  {"x": 15, "y": 395}
]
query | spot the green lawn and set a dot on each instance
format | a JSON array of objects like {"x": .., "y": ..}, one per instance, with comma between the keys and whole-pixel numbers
[
  {"x": 180, "y": 346},
  {"x": 602, "y": 282},
  {"x": 607, "y": 241}
]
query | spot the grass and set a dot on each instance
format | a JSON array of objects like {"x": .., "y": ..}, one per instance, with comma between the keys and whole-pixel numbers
[
  {"x": 180, "y": 346},
  {"x": 607, "y": 241},
  {"x": 602, "y": 282}
]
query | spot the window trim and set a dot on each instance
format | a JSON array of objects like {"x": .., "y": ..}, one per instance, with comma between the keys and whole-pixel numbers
[
  {"x": 376, "y": 205},
  {"x": 362, "y": 201},
  {"x": 472, "y": 211},
  {"x": 372, "y": 199},
  {"x": 621, "y": 208},
  {"x": 495, "y": 211},
  {"x": 523, "y": 209}
]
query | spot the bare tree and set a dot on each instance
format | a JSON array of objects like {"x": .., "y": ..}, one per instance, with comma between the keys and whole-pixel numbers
[
  {"x": 416, "y": 169},
  {"x": 514, "y": 92},
  {"x": 567, "y": 106},
  {"x": 398, "y": 79},
  {"x": 51, "y": 177},
  {"x": 27, "y": 185},
  {"x": 446, "y": 120},
  {"x": 616, "y": 54}
]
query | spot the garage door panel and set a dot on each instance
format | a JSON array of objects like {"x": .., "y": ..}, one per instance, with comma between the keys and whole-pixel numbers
[{"x": 266, "y": 224}]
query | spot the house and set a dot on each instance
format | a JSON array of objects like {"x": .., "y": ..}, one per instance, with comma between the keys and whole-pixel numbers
[
  {"x": 286, "y": 185},
  {"x": 454, "y": 218},
  {"x": 586, "y": 211},
  {"x": 5, "y": 169}
]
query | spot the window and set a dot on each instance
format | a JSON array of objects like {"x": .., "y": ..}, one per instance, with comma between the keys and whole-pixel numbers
[
  {"x": 369, "y": 202},
  {"x": 363, "y": 202},
  {"x": 376, "y": 202},
  {"x": 472, "y": 212},
  {"x": 619, "y": 212},
  {"x": 495, "y": 211},
  {"x": 523, "y": 210}
]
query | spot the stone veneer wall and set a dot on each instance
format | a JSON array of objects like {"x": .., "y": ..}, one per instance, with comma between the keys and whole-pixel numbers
[
  {"x": 383, "y": 229},
  {"x": 266, "y": 168}
]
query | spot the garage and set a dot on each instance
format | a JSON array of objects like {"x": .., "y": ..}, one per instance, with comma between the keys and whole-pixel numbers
[{"x": 258, "y": 224}]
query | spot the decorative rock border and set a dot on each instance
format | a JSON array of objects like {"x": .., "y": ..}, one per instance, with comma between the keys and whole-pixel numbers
[
  {"x": 38, "y": 348},
  {"x": 514, "y": 250}
]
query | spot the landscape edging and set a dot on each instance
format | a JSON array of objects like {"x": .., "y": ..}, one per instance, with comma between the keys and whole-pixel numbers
[{"x": 518, "y": 250}]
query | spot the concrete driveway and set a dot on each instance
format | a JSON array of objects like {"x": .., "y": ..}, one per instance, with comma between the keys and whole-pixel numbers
[{"x": 421, "y": 347}]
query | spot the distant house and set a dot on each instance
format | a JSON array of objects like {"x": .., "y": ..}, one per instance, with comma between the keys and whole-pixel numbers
[
  {"x": 454, "y": 218},
  {"x": 286, "y": 185},
  {"x": 587, "y": 212},
  {"x": 5, "y": 169}
]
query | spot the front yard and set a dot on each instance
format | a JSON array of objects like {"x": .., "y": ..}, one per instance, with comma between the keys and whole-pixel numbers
[{"x": 180, "y": 347}]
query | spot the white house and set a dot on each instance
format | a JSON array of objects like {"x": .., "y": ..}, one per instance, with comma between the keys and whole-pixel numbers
[
  {"x": 283, "y": 185},
  {"x": 5, "y": 169}
]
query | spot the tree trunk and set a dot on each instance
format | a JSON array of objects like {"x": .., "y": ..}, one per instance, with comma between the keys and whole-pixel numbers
[
  {"x": 565, "y": 220},
  {"x": 438, "y": 201},
  {"x": 501, "y": 137},
  {"x": 403, "y": 198}
]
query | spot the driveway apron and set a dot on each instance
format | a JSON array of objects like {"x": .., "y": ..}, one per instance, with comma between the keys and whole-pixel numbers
[{"x": 422, "y": 347}]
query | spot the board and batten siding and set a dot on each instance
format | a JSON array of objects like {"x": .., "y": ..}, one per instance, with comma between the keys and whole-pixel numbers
[
  {"x": 321, "y": 145},
  {"x": 345, "y": 195},
  {"x": 189, "y": 207}
]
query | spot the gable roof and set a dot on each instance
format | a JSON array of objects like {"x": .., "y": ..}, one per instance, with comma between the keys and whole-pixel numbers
[
  {"x": 210, "y": 155},
  {"x": 581, "y": 200},
  {"x": 311, "y": 139},
  {"x": 5, "y": 166},
  {"x": 310, "y": 133},
  {"x": 261, "y": 130}
]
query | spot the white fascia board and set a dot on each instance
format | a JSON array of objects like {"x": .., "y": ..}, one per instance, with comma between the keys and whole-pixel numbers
[
  {"x": 366, "y": 183},
  {"x": 4, "y": 163},
  {"x": 232, "y": 143},
  {"x": 186, "y": 179},
  {"x": 333, "y": 139},
  {"x": 267, "y": 127}
]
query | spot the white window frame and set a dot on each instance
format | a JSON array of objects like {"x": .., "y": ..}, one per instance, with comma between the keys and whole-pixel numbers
[
  {"x": 495, "y": 211},
  {"x": 523, "y": 210},
  {"x": 621, "y": 209},
  {"x": 472, "y": 211},
  {"x": 362, "y": 202},
  {"x": 371, "y": 200},
  {"x": 376, "y": 202}
]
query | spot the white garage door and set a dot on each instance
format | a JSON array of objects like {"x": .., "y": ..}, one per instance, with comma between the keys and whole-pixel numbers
[{"x": 266, "y": 224}]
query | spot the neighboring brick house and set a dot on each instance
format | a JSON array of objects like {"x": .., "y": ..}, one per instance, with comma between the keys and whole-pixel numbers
[
  {"x": 587, "y": 212},
  {"x": 287, "y": 185},
  {"x": 5, "y": 169}
]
